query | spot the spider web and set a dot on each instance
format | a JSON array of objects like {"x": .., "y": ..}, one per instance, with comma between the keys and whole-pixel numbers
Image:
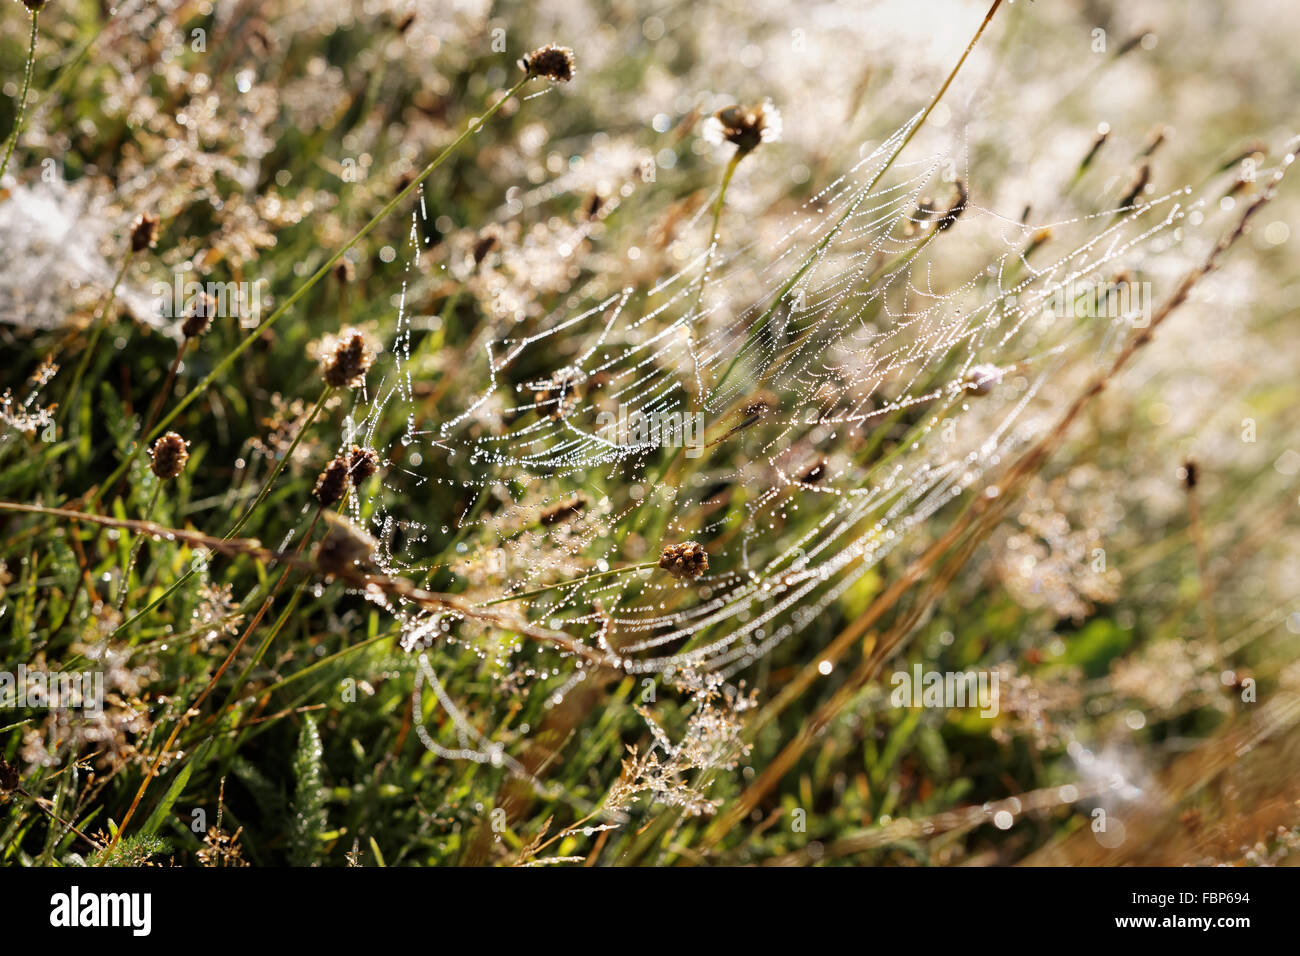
[{"x": 855, "y": 374}]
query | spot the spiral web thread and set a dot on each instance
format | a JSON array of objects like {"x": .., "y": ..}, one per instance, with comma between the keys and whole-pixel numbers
[{"x": 833, "y": 345}]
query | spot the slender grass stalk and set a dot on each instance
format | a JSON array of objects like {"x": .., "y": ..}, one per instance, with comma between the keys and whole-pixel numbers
[
  {"x": 21, "y": 113},
  {"x": 83, "y": 580},
  {"x": 811, "y": 259},
  {"x": 123, "y": 585},
  {"x": 326, "y": 392},
  {"x": 226, "y": 545},
  {"x": 130, "y": 622},
  {"x": 331, "y": 659},
  {"x": 69, "y": 69},
  {"x": 171, "y": 739},
  {"x": 566, "y": 831},
  {"x": 166, "y": 389},
  {"x": 256, "y": 334},
  {"x": 210, "y": 686},
  {"x": 262, "y": 648},
  {"x": 261, "y": 612},
  {"x": 717, "y": 209},
  {"x": 708, "y": 264},
  {"x": 717, "y": 218},
  {"x": 239, "y": 523},
  {"x": 161, "y": 397},
  {"x": 50, "y": 810},
  {"x": 96, "y": 329}
]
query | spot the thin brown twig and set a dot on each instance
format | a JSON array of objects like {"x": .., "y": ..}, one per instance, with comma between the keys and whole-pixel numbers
[
  {"x": 163, "y": 392},
  {"x": 41, "y": 802}
]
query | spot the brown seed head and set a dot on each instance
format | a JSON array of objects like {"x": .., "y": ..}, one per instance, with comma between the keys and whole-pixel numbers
[
  {"x": 1190, "y": 474},
  {"x": 34, "y": 5},
  {"x": 345, "y": 271},
  {"x": 348, "y": 361},
  {"x": 362, "y": 463},
  {"x": 332, "y": 483},
  {"x": 168, "y": 456},
  {"x": 746, "y": 126},
  {"x": 953, "y": 212},
  {"x": 684, "y": 560},
  {"x": 144, "y": 232},
  {"x": 551, "y": 61},
  {"x": 199, "y": 319}
]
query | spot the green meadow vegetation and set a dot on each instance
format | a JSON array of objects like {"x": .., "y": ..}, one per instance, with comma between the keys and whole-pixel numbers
[{"x": 648, "y": 433}]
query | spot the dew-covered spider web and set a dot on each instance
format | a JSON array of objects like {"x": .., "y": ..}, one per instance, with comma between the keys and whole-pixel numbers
[{"x": 799, "y": 402}]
